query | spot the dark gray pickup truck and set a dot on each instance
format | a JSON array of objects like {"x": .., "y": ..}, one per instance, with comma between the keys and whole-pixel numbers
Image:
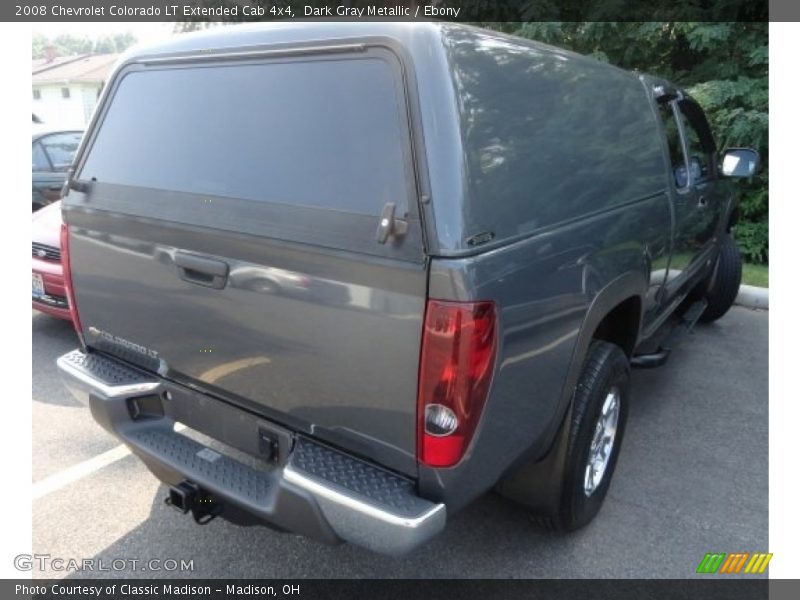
[{"x": 343, "y": 278}]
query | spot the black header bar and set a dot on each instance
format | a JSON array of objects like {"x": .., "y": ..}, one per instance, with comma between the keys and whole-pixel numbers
[
  {"x": 705, "y": 588},
  {"x": 400, "y": 10}
]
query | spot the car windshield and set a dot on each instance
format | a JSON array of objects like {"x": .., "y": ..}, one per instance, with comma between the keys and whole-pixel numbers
[{"x": 61, "y": 148}]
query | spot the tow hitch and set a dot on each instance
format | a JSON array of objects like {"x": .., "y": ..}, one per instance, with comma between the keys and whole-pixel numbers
[{"x": 187, "y": 496}]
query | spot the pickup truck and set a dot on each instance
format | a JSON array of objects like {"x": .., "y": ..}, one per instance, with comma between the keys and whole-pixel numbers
[{"x": 344, "y": 278}]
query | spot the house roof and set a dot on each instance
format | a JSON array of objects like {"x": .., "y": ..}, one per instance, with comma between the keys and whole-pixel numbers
[
  {"x": 42, "y": 64},
  {"x": 89, "y": 68}
]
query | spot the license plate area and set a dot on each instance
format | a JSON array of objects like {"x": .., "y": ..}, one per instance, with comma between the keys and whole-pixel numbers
[
  {"x": 38, "y": 286},
  {"x": 229, "y": 425}
]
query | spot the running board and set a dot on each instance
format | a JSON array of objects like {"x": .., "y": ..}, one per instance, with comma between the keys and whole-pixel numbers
[{"x": 684, "y": 326}]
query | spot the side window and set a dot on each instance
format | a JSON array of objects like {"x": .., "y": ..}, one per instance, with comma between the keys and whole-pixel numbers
[
  {"x": 61, "y": 148},
  {"x": 39, "y": 160},
  {"x": 700, "y": 144},
  {"x": 676, "y": 157}
]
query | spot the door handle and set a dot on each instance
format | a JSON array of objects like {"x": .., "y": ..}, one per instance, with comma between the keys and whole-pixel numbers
[
  {"x": 390, "y": 225},
  {"x": 201, "y": 270},
  {"x": 702, "y": 202}
]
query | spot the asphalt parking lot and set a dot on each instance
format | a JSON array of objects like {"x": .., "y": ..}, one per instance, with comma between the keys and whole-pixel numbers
[{"x": 692, "y": 478}]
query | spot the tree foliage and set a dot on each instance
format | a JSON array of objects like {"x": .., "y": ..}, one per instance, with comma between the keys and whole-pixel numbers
[
  {"x": 70, "y": 45},
  {"x": 723, "y": 65}
]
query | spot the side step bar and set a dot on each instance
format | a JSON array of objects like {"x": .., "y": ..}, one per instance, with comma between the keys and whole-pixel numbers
[{"x": 687, "y": 321}]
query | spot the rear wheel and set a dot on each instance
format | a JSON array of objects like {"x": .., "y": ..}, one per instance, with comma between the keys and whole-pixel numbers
[
  {"x": 725, "y": 281},
  {"x": 600, "y": 410}
]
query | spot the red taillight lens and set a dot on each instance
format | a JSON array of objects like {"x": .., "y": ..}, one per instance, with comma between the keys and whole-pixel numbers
[
  {"x": 65, "y": 267},
  {"x": 459, "y": 343}
]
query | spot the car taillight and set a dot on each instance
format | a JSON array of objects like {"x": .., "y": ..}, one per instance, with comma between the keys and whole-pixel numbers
[
  {"x": 65, "y": 267},
  {"x": 459, "y": 343}
]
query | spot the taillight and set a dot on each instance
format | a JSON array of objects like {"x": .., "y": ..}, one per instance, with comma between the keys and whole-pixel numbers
[
  {"x": 459, "y": 343},
  {"x": 65, "y": 267}
]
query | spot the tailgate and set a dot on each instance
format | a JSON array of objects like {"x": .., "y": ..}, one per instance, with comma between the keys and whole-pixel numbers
[{"x": 234, "y": 250}]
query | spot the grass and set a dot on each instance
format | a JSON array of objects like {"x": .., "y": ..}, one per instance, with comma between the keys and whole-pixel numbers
[
  {"x": 752, "y": 274},
  {"x": 757, "y": 275}
]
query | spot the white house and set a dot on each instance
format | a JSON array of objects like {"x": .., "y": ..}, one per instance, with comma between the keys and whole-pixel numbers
[{"x": 65, "y": 89}]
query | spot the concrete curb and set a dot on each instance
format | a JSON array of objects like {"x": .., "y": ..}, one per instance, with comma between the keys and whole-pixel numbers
[{"x": 753, "y": 297}]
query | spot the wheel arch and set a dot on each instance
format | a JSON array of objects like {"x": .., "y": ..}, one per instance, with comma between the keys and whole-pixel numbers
[
  {"x": 621, "y": 324},
  {"x": 536, "y": 481},
  {"x": 619, "y": 303}
]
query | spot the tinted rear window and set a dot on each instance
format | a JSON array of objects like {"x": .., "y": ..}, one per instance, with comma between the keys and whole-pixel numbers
[
  {"x": 61, "y": 148},
  {"x": 324, "y": 133}
]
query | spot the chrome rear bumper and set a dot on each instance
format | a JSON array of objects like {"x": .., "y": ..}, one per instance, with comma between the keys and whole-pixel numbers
[{"x": 314, "y": 489}]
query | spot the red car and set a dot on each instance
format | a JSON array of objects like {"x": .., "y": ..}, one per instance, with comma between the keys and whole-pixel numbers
[{"x": 49, "y": 295}]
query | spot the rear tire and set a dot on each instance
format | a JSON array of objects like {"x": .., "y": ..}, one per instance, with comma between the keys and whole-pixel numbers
[
  {"x": 603, "y": 389},
  {"x": 726, "y": 280}
]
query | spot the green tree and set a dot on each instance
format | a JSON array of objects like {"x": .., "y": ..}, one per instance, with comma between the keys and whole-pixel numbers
[
  {"x": 110, "y": 44},
  {"x": 71, "y": 45},
  {"x": 189, "y": 26},
  {"x": 39, "y": 42},
  {"x": 67, "y": 45}
]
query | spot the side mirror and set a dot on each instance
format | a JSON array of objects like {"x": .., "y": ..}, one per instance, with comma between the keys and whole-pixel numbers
[{"x": 739, "y": 162}]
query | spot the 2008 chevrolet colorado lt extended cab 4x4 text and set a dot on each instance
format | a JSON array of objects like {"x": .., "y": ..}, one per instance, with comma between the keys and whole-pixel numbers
[{"x": 343, "y": 278}]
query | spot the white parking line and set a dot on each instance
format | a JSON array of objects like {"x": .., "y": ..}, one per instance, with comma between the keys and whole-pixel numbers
[{"x": 72, "y": 474}]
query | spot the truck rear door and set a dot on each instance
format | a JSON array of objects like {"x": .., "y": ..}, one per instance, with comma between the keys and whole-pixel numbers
[{"x": 227, "y": 238}]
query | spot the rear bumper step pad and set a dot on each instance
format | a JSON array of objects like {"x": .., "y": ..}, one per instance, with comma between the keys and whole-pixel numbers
[
  {"x": 317, "y": 491},
  {"x": 83, "y": 373}
]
